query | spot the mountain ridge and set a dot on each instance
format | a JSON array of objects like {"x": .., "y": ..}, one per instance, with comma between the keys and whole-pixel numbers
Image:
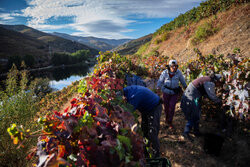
[
  {"x": 132, "y": 46},
  {"x": 57, "y": 44},
  {"x": 101, "y": 44}
]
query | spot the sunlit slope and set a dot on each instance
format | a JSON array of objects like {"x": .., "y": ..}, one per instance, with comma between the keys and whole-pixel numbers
[{"x": 218, "y": 31}]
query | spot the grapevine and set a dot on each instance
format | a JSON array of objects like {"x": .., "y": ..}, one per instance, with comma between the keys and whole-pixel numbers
[{"x": 99, "y": 124}]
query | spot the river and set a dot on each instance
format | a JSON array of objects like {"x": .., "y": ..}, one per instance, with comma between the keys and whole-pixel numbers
[
  {"x": 63, "y": 76},
  {"x": 60, "y": 76},
  {"x": 66, "y": 75}
]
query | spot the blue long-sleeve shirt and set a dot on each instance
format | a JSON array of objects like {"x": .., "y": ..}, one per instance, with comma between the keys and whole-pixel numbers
[{"x": 141, "y": 98}]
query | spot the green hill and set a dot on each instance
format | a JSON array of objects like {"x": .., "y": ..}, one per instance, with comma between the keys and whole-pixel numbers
[
  {"x": 20, "y": 40},
  {"x": 216, "y": 26},
  {"x": 56, "y": 44},
  {"x": 17, "y": 44},
  {"x": 132, "y": 46}
]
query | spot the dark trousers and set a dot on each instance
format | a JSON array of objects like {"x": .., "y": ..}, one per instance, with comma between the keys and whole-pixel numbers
[
  {"x": 194, "y": 122},
  {"x": 169, "y": 106},
  {"x": 151, "y": 126}
]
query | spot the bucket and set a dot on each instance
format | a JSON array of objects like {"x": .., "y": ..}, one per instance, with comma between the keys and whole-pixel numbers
[{"x": 213, "y": 143}]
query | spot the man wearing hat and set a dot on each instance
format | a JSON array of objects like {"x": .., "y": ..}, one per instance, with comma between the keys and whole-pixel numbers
[{"x": 190, "y": 102}]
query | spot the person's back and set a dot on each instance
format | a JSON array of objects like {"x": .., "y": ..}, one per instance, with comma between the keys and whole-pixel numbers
[
  {"x": 202, "y": 86},
  {"x": 191, "y": 100},
  {"x": 148, "y": 103},
  {"x": 141, "y": 98}
]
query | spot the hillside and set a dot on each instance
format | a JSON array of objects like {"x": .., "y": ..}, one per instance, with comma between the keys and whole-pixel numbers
[
  {"x": 233, "y": 32},
  {"x": 15, "y": 43},
  {"x": 132, "y": 46},
  {"x": 24, "y": 30},
  {"x": 223, "y": 32},
  {"x": 53, "y": 43},
  {"x": 97, "y": 43}
]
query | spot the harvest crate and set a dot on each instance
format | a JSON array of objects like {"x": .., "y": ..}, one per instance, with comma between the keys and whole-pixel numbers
[{"x": 158, "y": 162}]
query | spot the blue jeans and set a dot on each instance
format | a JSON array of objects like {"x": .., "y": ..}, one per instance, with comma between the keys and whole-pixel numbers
[{"x": 192, "y": 123}]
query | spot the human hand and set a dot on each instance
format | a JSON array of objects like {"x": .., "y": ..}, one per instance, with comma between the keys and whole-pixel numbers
[
  {"x": 158, "y": 91},
  {"x": 177, "y": 90}
]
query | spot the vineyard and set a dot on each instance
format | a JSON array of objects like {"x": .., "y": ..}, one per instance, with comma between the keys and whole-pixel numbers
[{"x": 100, "y": 124}]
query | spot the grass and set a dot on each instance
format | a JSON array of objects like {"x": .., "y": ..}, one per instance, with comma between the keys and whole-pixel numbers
[
  {"x": 203, "y": 32},
  {"x": 163, "y": 37},
  {"x": 143, "y": 48}
]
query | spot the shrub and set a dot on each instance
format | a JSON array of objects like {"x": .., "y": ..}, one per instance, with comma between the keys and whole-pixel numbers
[
  {"x": 157, "y": 41},
  {"x": 165, "y": 36},
  {"x": 100, "y": 132},
  {"x": 143, "y": 48},
  {"x": 154, "y": 52},
  {"x": 17, "y": 105},
  {"x": 40, "y": 87},
  {"x": 203, "y": 32}
]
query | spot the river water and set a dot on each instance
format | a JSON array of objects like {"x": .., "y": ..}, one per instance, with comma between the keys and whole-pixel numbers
[
  {"x": 63, "y": 76},
  {"x": 60, "y": 76}
]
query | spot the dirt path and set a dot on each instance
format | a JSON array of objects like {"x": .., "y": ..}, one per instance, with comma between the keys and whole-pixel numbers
[{"x": 182, "y": 152}]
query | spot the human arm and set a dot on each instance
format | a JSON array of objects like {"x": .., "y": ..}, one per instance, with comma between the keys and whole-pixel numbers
[
  {"x": 167, "y": 90},
  {"x": 182, "y": 80},
  {"x": 130, "y": 93},
  {"x": 210, "y": 90},
  {"x": 160, "y": 82}
]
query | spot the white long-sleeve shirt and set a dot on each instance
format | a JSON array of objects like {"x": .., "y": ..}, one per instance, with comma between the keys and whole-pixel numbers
[{"x": 172, "y": 83}]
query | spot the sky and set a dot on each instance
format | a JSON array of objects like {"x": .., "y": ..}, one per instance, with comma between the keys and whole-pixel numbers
[{"x": 113, "y": 19}]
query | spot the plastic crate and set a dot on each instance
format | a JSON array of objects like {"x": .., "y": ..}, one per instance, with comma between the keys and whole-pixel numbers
[{"x": 158, "y": 162}]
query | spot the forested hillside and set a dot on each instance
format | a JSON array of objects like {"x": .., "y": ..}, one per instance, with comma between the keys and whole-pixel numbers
[
  {"x": 20, "y": 42},
  {"x": 54, "y": 43},
  {"x": 15, "y": 43},
  {"x": 131, "y": 47},
  {"x": 97, "y": 43}
]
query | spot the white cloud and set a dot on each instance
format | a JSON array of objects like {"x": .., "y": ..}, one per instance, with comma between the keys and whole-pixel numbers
[
  {"x": 6, "y": 16},
  {"x": 102, "y": 17},
  {"x": 50, "y": 27},
  {"x": 10, "y": 18}
]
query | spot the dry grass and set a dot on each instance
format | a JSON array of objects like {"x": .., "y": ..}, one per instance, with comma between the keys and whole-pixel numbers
[{"x": 233, "y": 32}]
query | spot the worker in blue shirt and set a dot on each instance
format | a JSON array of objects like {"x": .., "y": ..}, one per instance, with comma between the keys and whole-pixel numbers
[{"x": 149, "y": 105}]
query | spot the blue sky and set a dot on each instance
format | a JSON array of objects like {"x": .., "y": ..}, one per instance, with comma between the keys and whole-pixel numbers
[{"x": 114, "y": 19}]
